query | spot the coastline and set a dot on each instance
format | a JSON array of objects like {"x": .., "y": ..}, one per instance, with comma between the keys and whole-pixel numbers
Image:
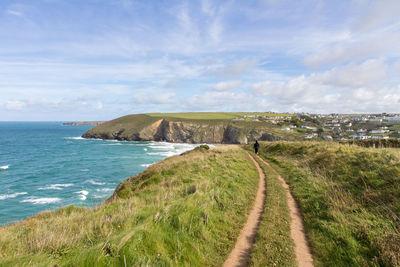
[{"x": 52, "y": 194}]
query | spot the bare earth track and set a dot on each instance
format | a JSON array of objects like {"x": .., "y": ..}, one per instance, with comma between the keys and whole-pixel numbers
[
  {"x": 302, "y": 248},
  {"x": 241, "y": 252}
]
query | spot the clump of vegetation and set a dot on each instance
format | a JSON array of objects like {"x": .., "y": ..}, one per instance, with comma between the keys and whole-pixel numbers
[
  {"x": 394, "y": 143},
  {"x": 349, "y": 197},
  {"x": 202, "y": 148},
  {"x": 185, "y": 210}
]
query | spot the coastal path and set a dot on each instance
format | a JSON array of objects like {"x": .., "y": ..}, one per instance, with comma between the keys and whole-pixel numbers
[
  {"x": 240, "y": 254},
  {"x": 297, "y": 232}
]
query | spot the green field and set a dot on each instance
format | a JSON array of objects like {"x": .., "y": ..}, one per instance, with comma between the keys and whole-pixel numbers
[{"x": 213, "y": 115}]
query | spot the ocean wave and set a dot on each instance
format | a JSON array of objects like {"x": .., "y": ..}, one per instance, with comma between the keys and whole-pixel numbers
[
  {"x": 2, "y": 197},
  {"x": 145, "y": 149},
  {"x": 116, "y": 144},
  {"x": 100, "y": 196},
  {"x": 82, "y": 194},
  {"x": 164, "y": 154},
  {"x": 93, "y": 182},
  {"x": 5, "y": 167},
  {"x": 84, "y": 170},
  {"x": 145, "y": 165},
  {"x": 42, "y": 200},
  {"x": 162, "y": 147},
  {"x": 55, "y": 187},
  {"x": 105, "y": 190},
  {"x": 75, "y": 138}
]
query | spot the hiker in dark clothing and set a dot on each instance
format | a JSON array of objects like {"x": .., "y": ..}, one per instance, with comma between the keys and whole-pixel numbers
[{"x": 256, "y": 146}]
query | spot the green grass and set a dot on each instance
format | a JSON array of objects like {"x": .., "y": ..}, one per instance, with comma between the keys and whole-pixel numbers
[
  {"x": 186, "y": 210},
  {"x": 125, "y": 127},
  {"x": 349, "y": 197},
  {"x": 213, "y": 115},
  {"x": 273, "y": 245}
]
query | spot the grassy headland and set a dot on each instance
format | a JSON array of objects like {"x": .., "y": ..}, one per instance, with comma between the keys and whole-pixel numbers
[
  {"x": 207, "y": 127},
  {"x": 349, "y": 197},
  {"x": 187, "y": 209}
]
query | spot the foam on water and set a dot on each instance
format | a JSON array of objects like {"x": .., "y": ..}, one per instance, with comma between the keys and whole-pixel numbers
[
  {"x": 5, "y": 167},
  {"x": 145, "y": 165},
  {"x": 12, "y": 195},
  {"x": 82, "y": 194},
  {"x": 41, "y": 200},
  {"x": 91, "y": 181},
  {"x": 55, "y": 187},
  {"x": 76, "y": 138},
  {"x": 116, "y": 144},
  {"x": 164, "y": 154},
  {"x": 105, "y": 190}
]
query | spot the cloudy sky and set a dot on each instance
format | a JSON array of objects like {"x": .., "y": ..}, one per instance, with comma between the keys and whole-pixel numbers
[{"x": 101, "y": 59}]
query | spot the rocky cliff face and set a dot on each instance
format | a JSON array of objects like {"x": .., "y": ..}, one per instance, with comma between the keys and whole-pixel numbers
[{"x": 184, "y": 132}]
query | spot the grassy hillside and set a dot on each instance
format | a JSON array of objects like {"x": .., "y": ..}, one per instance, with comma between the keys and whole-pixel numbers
[
  {"x": 129, "y": 125},
  {"x": 201, "y": 127},
  {"x": 212, "y": 115},
  {"x": 349, "y": 197},
  {"x": 185, "y": 210}
]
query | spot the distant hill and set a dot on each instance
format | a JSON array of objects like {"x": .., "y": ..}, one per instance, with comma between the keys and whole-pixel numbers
[
  {"x": 208, "y": 127},
  {"x": 84, "y": 123}
]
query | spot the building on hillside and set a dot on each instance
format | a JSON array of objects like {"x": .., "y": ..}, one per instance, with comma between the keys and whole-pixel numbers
[
  {"x": 393, "y": 119},
  {"x": 378, "y": 137},
  {"x": 310, "y": 136},
  {"x": 378, "y": 131}
]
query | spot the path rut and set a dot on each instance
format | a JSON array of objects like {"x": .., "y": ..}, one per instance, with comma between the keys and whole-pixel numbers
[
  {"x": 239, "y": 256},
  {"x": 302, "y": 248}
]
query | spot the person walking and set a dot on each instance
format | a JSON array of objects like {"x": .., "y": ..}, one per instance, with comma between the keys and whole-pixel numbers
[{"x": 256, "y": 146}]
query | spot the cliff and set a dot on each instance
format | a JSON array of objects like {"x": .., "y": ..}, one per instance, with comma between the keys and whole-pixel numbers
[{"x": 143, "y": 127}]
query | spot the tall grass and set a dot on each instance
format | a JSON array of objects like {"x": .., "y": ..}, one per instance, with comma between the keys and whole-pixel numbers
[
  {"x": 186, "y": 210},
  {"x": 349, "y": 197}
]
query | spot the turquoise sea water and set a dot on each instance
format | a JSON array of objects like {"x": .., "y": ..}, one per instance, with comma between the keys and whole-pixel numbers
[{"x": 45, "y": 165}]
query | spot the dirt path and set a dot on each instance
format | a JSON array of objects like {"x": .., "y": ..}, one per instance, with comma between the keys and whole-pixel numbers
[
  {"x": 241, "y": 252},
  {"x": 302, "y": 248}
]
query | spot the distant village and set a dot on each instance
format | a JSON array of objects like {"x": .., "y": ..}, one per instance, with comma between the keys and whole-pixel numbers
[{"x": 333, "y": 127}]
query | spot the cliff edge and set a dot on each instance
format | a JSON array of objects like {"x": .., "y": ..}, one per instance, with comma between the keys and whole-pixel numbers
[{"x": 147, "y": 127}]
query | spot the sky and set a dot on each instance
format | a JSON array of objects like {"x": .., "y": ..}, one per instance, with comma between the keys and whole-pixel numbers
[{"x": 66, "y": 60}]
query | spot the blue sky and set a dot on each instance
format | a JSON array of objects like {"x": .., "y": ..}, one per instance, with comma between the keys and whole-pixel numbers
[{"x": 101, "y": 59}]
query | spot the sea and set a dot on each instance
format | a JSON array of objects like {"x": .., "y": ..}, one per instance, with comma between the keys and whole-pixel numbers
[{"x": 48, "y": 165}]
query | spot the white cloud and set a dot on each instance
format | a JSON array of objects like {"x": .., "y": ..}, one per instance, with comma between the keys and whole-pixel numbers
[
  {"x": 238, "y": 68},
  {"x": 226, "y": 86},
  {"x": 223, "y": 101},
  {"x": 155, "y": 98},
  {"x": 367, "y": 73},
  {"x": 207, "y": 7},
  {"x": 14, "y": 13},
  {"x": 378, "y": 14},
  {"x": 351, "y": 88},
  {"x": 14, "y": 105}
]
